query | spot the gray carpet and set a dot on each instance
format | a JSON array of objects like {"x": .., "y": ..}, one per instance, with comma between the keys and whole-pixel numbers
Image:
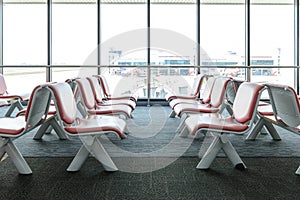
[
  {"x": 270, "y": 178},
  {"x": 154, "y": 164},
  {"x": 152, "y": 134}
]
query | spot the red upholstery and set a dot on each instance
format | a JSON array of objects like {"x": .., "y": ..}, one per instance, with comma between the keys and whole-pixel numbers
[
  {"x": 12, "y": 126},
  {"x": 265, "y": 110},
  {"x": 107, "y": 93},
  {"x": 92, "y": 126},
  {"x": 209, "y": 122},
  {"x": 86, "y": 92},
  {"x": 65, "y": 102},
  {"x": 110, "y": 110},
  {"x": 245, "y": 101},
  {"x": 99, "y": 97},
  {"x": 205, "y": 97},
  {"x": 91, "y": 105},
  {"x": 3, "y": 87},
  {"x": 196, "y": 90},
  {"x": 243, "y": 109},
  {"x": 194, "y": 108},
  {"x": 20, "y": 124},
  {"x": 66, "y": 106},
  {"x": 5, "y": 95},
  {"x": 217, "y": 98}
]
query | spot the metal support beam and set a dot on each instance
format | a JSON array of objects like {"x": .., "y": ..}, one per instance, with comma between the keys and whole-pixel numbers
[
  {"x": 1, "y": 36},
  {"x": 148, "y": 53},
  {"x": 49, "y": 41},
  {"x": 99, "y": 36},
  {"x": 247, "y": 40},
  {"x": 296, "y": 44},
  {"x": 198, "y": 37}
]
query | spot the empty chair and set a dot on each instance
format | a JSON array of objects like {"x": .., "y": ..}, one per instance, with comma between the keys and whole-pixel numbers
[
  {"x": 264, "y": 123},
  {"x": 12, "y": 128},
  {"x": 215, "y": 105},
  {"x": 199, "y": 79},
  {"x": 286, "y": 110},
  {"x": 205, "y": 97},
  {"x": 14, "y": 100},
  {"x": 88, "y": 129},
  {"x": 244, "y": 110},
  {"x": 231, "y": 93},
  {"x": 89, "y": 106},
  {"x": 107, "y": 92},
  {"x": 101, "y": 100}
]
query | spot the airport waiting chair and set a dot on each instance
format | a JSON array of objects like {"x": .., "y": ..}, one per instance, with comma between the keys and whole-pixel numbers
[
  {"x": 215, "y": 105},
  {"x": 88, "y": 129},
  {"x": 205, "y": 97},
  {"x": 285, "y": 111},
  {"x": 13, "y": 100},
  {"x": 198, "y": 81},
  {"x": 12, "y": 128},
  {"x": 244, "y": 111},
  {"x": 231, "y": 91},
  {"x": 101, "y": 100},
  {"x": 107, "y": 93},
  {"x": 88, "y": 105}
]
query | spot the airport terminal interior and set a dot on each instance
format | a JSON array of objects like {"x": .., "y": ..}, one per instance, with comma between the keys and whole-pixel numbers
[{"x": 149, "y": 99}]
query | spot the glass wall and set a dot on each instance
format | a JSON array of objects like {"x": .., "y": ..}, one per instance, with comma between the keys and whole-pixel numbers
[
  {"x": 222, "y": 36},
  {"x": 172, "y": 21},
  {"x": 74, "y": 36},
  {"x": 272, "y": 41},
  {"x": 24, "y": 42},
  {"x": 123, "y": 33},
  {"x": 125, "y": 38}
]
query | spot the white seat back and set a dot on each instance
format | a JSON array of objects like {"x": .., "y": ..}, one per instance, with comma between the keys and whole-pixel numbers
[
  {"x": 246, "y": 101},
  {"x": 218, "y": 91},
  {"x": 64, "y": 101},
  {"x": 285, "y": 104}
]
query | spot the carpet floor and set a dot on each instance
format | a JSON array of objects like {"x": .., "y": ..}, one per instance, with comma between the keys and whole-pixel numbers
[{"x": 154, "y": 163}]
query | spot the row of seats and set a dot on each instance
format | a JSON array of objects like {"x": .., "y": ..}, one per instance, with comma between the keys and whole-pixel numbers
[
  {"x": 246, "y": 114},
  {"x": 77, "y": 107}
]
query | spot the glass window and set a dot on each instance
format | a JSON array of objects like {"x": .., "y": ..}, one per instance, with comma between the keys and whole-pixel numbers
[
  {"x": 24, "y": 43},
  {"x": 222, "y": 35},
  {"x": 74, "y": 32},
  {"x": 24, "y": 32},
  {"x": 23, "y": 79},
  {"x": 272, "y": 40},
  {"x": 173, "y": 45},
  {"x": 124, "y": 44}
]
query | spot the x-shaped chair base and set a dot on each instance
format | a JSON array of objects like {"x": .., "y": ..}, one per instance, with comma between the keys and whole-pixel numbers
[
  {"x": 47, "y": 126},
  {"x": 16, "y": 104},
  {"x": 219, "y": 142},
  {"x": 92, "y": 144},
  {"x": 298, "y": 171},
  {"x": 7, "y": 146},
  {"x": 260, "y": 124}
]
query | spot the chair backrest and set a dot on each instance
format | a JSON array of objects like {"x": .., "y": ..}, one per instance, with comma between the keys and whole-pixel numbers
[
  {"x": 246, "y": 101},
  {"x": 231, "y": 90},
  {"x": 197, "y": 84},
  {"x": 86, "y": 93},
  {"x": 206, "y": 95},
  {"x": 64, "y": 102},
  {"x": 97, "y": 89},
  {"x": 218, "y": 91},
  {"x": 3, "y": 87},
  {"x": 104, "y": 85},
  {"x": 38, "y": 106},
  {"x": 285, "y": 104}
]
